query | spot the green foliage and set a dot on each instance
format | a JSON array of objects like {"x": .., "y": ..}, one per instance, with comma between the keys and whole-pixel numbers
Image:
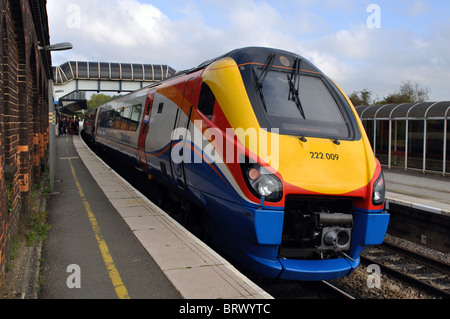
[
  {"x": 9, "y": 196},
  {"x": 99, "y": 99},
  {"x": 38, "y": 228},
  {"x": 408, "y": 92},
  {"x": 361, "y": 97}
]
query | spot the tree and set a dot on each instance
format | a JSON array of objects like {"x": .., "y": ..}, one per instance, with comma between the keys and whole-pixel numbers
[
  {"x": 98, "y": 99},
  {"x": 409, "y": 93},
  {"x": 414, "y": 92},
  {"x": 361, "y": 97}
]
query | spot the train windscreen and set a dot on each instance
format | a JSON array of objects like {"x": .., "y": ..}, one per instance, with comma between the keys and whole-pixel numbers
[
  {"x": 298, "y": 102},
  {"x": 307, "y": 109}
]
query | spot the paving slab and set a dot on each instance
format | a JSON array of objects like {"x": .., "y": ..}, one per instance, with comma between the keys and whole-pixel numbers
[
  {"x": 196, "y": 270},
  {"x": 422, "y": 191}
]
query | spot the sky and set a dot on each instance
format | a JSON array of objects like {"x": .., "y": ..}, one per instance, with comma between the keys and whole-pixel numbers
[{"x": 360, "y": 44}]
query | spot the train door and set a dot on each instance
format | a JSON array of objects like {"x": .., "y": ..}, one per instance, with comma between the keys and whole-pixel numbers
[
  {"x": 144, "y": 128},
  {"x": 182, "y": 123}
]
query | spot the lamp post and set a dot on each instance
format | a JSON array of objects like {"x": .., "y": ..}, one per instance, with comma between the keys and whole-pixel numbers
[
  {"x": 57, "y": 47},
  {"x": 51, "y": 113}
]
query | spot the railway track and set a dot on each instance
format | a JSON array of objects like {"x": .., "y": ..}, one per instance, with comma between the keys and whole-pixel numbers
[
  {"x": 407, "y": 266},
  {"x": 341, "y": 293},
  {"x": 287, "y": 289}
]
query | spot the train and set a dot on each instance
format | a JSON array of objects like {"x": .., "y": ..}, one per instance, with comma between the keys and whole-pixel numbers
[{"x": 266, "y": 152}]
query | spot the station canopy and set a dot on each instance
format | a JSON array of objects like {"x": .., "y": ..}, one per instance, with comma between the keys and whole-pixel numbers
[
  {"x": 110, "y": 71},
  {"x": 70, "y": 106},
  {"x": 424, "y": 110}
]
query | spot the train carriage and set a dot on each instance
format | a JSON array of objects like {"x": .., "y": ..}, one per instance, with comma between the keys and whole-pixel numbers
[{"x": 270, "y": 149}]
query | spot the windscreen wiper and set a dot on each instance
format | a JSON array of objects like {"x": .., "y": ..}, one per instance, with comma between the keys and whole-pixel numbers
[
  {"x": 265, "y": 70},
  {"x": 294, "y": 86},
  {"x": 262, "y": 77},
  {"x": 261, "y": 94}
]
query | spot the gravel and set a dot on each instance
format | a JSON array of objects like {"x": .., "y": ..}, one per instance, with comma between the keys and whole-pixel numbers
[
  {"x": 357, "y": 284},
  {"x": 431, "y": 253}
]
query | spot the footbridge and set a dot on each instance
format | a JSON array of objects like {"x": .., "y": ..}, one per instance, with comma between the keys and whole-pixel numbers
[{"x": 76, "y": 76}]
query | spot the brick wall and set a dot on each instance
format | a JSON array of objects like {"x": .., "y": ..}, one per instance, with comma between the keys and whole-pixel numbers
[{"x": 23, "y": 115}]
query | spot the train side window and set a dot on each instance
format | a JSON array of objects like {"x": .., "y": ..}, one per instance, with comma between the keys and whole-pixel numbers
[
  {"x": 117, "y": 119},
  {"x": 102, "y": 119},
  {"x": 108, "y": 119},
  {"x": 135, "y": 114},
  {"x": 206, "y": 101},
  {"x": 126, "y": 115},
  {"x": 160, "y": 107}
]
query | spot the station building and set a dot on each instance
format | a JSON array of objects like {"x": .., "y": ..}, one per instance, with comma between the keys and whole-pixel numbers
[{"x": 24, "y": 121}]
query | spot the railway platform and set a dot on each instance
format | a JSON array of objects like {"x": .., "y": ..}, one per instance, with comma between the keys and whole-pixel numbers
[
  {"x": 109, "y": 241},
  {"x": 430, "y": 193},
  {"x": 419, "y": 207}
]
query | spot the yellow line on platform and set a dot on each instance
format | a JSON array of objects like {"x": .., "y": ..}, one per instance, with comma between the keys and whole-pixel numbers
[{"x": 120, "y": 288}]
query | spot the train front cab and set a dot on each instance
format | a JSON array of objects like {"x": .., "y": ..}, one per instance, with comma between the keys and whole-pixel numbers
[
  {"x": 266, "y": 240},
  {"x": 329, "y": 209},
  {"x": 343, "y": 236}
]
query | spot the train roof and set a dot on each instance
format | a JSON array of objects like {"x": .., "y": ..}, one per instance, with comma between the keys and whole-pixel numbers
[
  {"x": 259, "y": 55},
  {"x": 284, "y": 59}
]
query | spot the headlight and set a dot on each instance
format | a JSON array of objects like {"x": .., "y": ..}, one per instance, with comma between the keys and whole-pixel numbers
[
  {"x": 262, "y": 183},
  {"x": 379, "y": 191}
]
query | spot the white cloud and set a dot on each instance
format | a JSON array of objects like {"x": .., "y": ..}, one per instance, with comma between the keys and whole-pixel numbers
[
  {"x": 355, "y": 56},
  {"x": 129, "y": 31},
  {"x": 418, "y": 7},
  {"x": 379, "y": 60}
]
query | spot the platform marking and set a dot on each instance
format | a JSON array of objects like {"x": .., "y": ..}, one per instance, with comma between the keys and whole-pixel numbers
[{"x": 113, "y": 273}]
